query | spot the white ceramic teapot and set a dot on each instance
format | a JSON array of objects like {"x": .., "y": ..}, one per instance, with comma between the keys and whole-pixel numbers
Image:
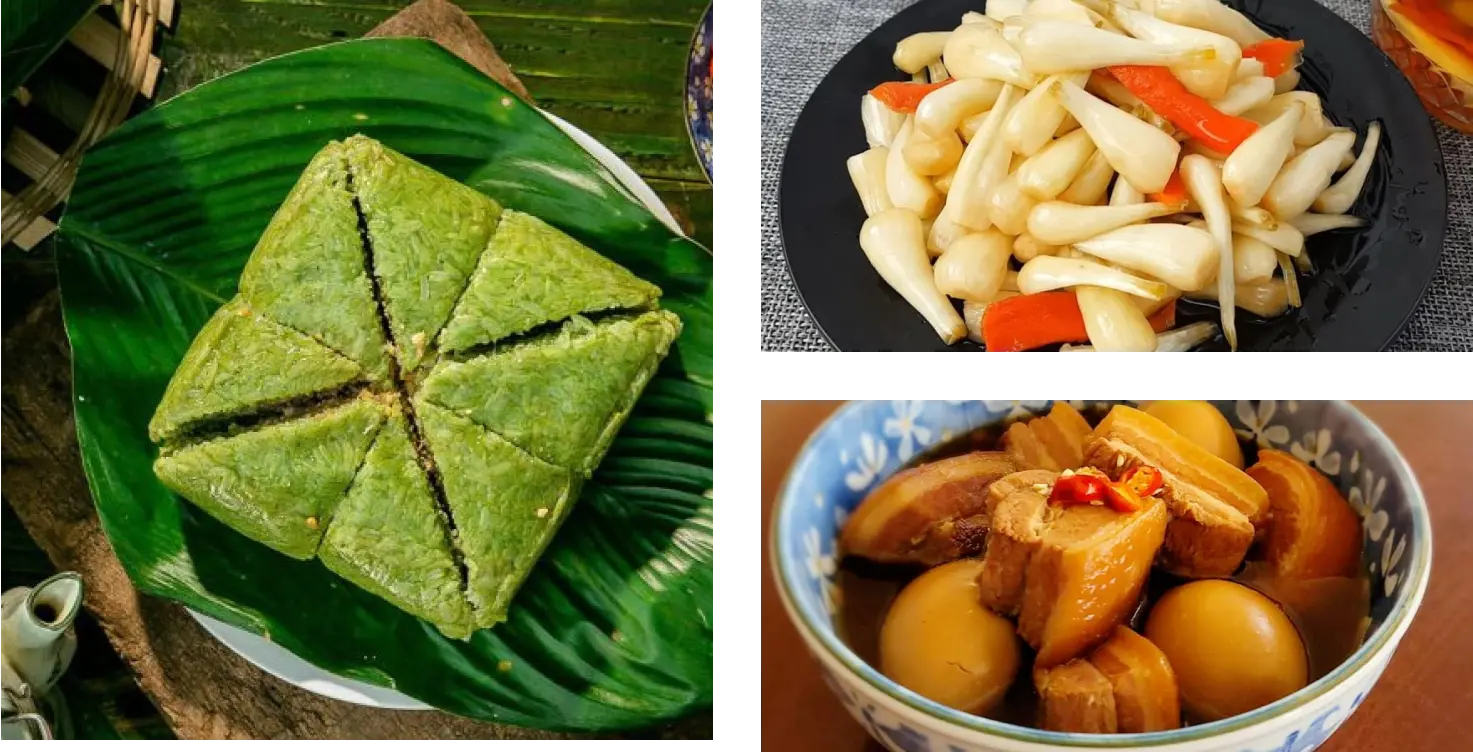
[{"x": 37, "y": 641}]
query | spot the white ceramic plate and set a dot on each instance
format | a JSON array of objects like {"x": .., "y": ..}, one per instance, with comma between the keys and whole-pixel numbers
[{"x": 285, "y": 665}]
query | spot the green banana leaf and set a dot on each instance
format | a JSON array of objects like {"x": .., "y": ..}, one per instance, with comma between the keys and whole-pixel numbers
[
  {"x": 32, "y": 30},
  {"x": 613, "y": 630}
]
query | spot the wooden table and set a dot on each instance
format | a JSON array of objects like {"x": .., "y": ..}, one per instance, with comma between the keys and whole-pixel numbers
[{"x": 1422, "y": 702}]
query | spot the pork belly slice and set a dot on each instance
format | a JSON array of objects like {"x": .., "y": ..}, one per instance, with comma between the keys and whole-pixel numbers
[
  {"x": 1070, "y": 573},
  {"x": 1206, "y": 537},
  {"x": 929, "y": 514}
]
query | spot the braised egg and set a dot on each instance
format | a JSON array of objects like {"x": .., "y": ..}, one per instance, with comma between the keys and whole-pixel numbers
[
  {"x": 940, "y": 642},
  {"x": 1232, "y": 648}
]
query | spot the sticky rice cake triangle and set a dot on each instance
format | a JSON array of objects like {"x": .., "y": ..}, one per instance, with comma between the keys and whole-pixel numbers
[
  {"x": 277, "y": 484},
  {"x": 426, "y": 233},
  {"x": 506, "y": 505},
  {"x": 307, "y": 271},
  {"x": 532, "y": 274},
  {"x": 240, "y": 363},
  {"x": 561, "y": 396},
  {"x": 387, "y": 536}
]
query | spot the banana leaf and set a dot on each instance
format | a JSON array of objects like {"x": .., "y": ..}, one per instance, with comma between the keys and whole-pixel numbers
[
  {"x": 613, "y": 630},
  {"x": 33, "y": 29}
]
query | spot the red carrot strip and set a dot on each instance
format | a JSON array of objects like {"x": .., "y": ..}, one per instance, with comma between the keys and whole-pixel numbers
[
  {"x": 1165, "y": 95},
  {"x": 1164, "y": 318},
  {"x": 1175, "y": 191},
  {"x": 904, "y": 96},
  {"x": 1028, "y": 322},
  {"x": 1277, "y": 55}
]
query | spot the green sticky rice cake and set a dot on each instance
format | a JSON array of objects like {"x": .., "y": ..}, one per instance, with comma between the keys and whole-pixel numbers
[
  {"x": 277, "y": 484},
  {"x": 387, "y": 536},
  {"x": 427, "y": 232},
  {"x": 561, "y": 396},
  {"x": 240, "y": 363},
  {"x": 506, "y": 505},
  {"x": 410, "y": 386},
  {"x": 307, "y": 271},
  {"x": 534, "y": 274}
]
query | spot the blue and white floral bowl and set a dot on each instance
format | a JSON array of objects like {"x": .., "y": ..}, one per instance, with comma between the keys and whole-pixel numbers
[
  {"x": 699, "y": 111},
  {"x": 865, "y": 442}
]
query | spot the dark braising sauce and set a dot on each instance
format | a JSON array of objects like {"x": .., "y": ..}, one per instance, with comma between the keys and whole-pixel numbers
[{"x": 1332, "y": 613}]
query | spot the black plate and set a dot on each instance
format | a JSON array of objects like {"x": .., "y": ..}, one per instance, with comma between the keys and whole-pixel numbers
[{"x": 1368, "y": 280}]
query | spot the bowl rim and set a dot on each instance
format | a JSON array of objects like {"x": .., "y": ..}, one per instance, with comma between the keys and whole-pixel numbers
[{"x": 1382, "y": 640}]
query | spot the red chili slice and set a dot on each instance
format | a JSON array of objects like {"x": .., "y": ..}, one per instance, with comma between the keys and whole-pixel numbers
[
  {"x": 1144, "y": 480},
  {"x": 1128, "y": 494},
  {"x": 1121, "y": 498},
  {"x": 1078, "y": 488}
]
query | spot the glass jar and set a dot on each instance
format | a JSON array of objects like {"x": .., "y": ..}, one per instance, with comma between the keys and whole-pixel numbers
[{"x": 1438, "y": 70}]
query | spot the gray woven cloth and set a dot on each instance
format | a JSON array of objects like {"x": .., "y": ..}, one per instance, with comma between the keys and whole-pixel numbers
[{"x": 802, "y": 39}]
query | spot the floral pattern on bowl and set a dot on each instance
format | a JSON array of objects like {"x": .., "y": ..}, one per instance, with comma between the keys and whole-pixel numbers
[
  {"x": 698, "y": 78},
  {"x": 866, "y": 442}
]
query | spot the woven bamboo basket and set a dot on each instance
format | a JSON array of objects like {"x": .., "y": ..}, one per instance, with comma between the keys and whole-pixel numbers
[{"x": 122, "y": 43}]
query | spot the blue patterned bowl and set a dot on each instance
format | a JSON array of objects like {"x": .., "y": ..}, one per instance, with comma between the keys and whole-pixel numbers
[
  {"x": 698, "y": 100},
  {"x": 865, "y": 442}
]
